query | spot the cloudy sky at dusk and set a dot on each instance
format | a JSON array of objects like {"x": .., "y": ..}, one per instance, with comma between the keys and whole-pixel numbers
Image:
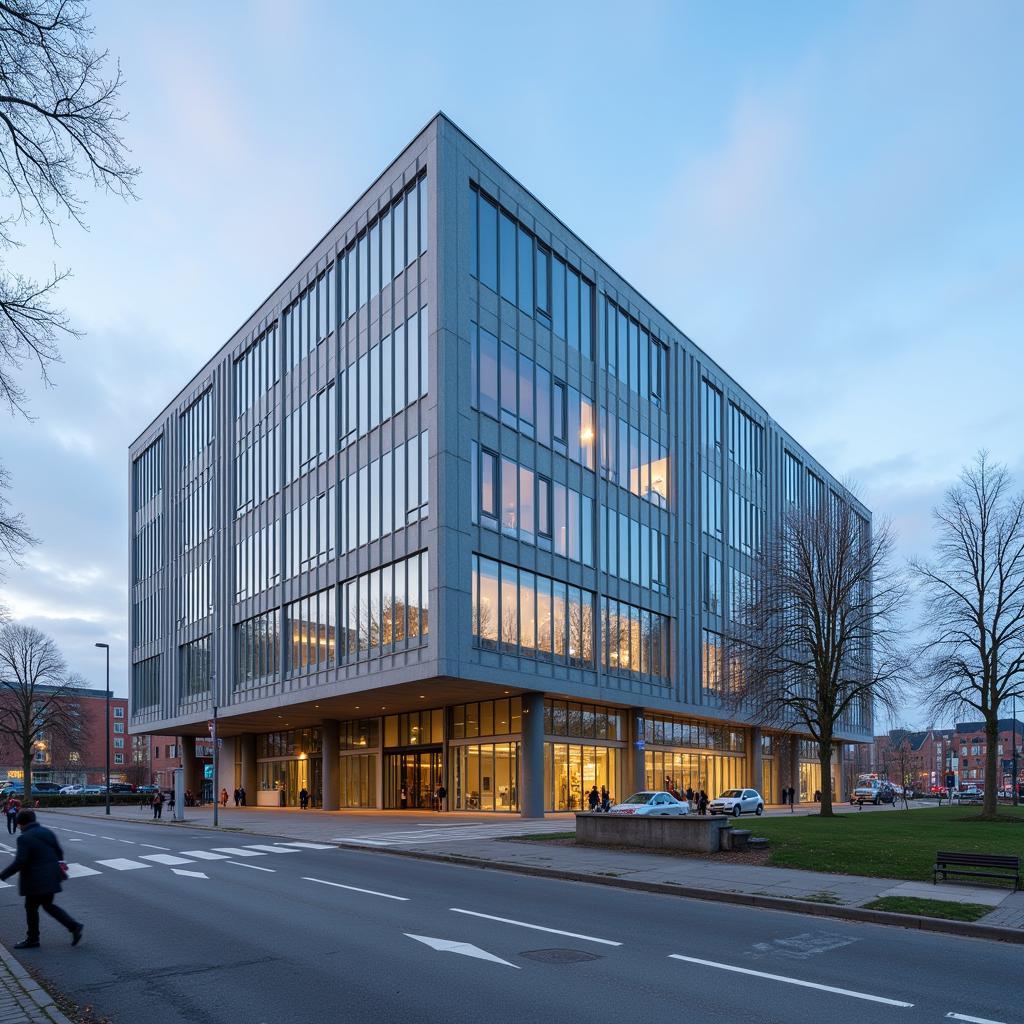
[{"x": 825, "y": 197}]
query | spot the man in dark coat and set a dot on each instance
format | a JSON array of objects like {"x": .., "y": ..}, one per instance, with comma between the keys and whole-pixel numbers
[{"x": 38, "y": 865}]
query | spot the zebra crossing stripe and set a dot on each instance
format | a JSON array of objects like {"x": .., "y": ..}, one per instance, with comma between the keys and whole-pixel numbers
[
  {"x": 122, "y": 864},
  {"x": 80, "y": 871}
]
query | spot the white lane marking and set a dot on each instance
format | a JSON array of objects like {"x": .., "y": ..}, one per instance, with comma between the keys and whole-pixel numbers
[
  {"x": 255, "y": 867},
  {"x": 365, "y": 842},
  {"x": 150, "y": 846},
  {"x": 130, "y": 842},
  {"x": 790, "y": 981},
  {"x": 204, "y": 855},
  {"x": 464, "y": 948},
  {"x": 81, "y": 871},
  {"x": 165, "y": 858},
  {"x": 355, "y": 888},
  {"x": 536, "y": 927},
  {"x": 310, "y": 846},
  {"x": 70, "y": 841},
  {"x": 78, "y": 832},
  {"x": 123, "y": 864},
  {"x": 234, "y": 851},
  {"x": 111, "y": 838},
  {"x": 972, "y": 1020},
  {"x": 270, "y": 849},
  {"x": 190, "y": 874}
]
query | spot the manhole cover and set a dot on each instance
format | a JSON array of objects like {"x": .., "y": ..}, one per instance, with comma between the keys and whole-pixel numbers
[{"x": 560, "y": 956}]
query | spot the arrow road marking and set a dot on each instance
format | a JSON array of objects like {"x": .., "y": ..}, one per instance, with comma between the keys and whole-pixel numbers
[
  {"x": 463, "y": 948},
  {"x": 790, "y": 981},
  {"x": 190, "y": 874}
]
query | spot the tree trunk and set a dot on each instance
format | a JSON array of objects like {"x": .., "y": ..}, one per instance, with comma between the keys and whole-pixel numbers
[
  {"x": 26, "y": 765},
  {"x": 989, "y": 806},
  {"x": 825, "y": 761}
]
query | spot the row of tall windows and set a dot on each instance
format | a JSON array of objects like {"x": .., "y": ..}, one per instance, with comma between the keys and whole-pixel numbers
[
  {"x": 746, "y": 441},
  {"x": 741, "y": 594},
  {"x": 387, "y": 495},
  {"x": 195, "y": 510},
  {"x": 312, "y": 433},
  {"x": 530, "y": 400},
  {"x": 509, "y": 260},
  {"x": 531, "y": 615},
  {"x": 588, "y": 721},
  {"x": 257, "y": 648},
  {"x": 633, "y": 460},
  {"x": 383, "y": 381},
  {"x": 195, "y": 594},
  {"x": 634, "y": 355},
  {"x": 310, "y": 318},
  {"x": 257, "y": 476},
  {"x": 487, "y": 718},
  {"x": 792, "y": 474},
  {"x": 394, "y": 240},
  {"x": 632, "y": 551},
  {"x": 633, "y": 640},
  {"x": 712, "y": 669},
  {"x": 196, "y": 668},
  {"x": 148, "y": 473},
  {"x": 311, "y": 631},
  {"x": 257, "y": 561},
  {"x": 746, "y": 524},
  {"x": 387, "y": 610},
  {"x": 146, "y": 616},
  {"x": 195, "y": 427},
  {"x": 710, "y": 415},
  {"x": 257, "y": 370},
  {"x": 525, "y": 504},
  {"x": 310, "y": 529},
  {"x": 146, "y": 683},
  {"x": 664, "y": 731},
  {"x": 147, "y": 556}
]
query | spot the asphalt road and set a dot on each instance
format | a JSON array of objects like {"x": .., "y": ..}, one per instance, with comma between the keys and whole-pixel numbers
[{"x": 187, "y": 926}]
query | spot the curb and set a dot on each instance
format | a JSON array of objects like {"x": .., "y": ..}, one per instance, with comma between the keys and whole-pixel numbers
[
  {"x": 962, "y": 929},
  {"x": 31, "y": 988}
]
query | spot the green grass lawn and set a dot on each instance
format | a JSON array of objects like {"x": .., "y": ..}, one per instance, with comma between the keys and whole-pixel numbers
[
  {"x": 930, "y": 908},
  {"x": 887, "y": 843}
]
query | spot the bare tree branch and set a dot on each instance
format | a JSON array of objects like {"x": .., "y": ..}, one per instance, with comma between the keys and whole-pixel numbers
[
  {"x": 14, "y": 533},
  {"x": 973, "y": 589},
  {"x": 817, "y": 646}
]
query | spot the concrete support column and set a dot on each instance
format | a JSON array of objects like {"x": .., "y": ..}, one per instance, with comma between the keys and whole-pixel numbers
[
  {"x": 794, "y": 767},
  {"x": 755, "y": 765},
  {"x": 840, "y": 791},
  {"x": 331, "y": 771},
  {"x": 635, "y": 780},
  {"x": 192, "y": 766},
  {"x": 247, "y": 758},
  {"x": 531, "y": 786}
]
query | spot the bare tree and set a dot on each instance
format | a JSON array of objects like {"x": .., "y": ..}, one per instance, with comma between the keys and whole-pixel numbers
[
  {"x": 14, "y": 533},
  {"x": 59, "y": 127},
  {"x": 973, "y": 590},
  {"x": 34, "y": 695},
  {"x": 817, "y": 639}
]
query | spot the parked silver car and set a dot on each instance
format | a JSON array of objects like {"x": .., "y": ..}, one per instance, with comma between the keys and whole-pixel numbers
[{"x": 737, "y": 802}]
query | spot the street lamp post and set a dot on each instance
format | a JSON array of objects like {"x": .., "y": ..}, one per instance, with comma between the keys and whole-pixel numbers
[
  {"x": 106, "y": 647},
  {"x": 1016, "y": 792}
]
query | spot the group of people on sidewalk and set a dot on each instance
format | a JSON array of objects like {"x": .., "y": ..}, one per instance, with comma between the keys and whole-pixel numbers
[{"x": 599, "y": 801}]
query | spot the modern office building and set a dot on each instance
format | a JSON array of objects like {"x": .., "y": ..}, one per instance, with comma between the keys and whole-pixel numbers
[{"x": 457, "y": 503}]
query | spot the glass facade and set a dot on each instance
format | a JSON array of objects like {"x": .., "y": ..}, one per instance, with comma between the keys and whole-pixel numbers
[
  {"x": 572, "y": 769},
  {"x": 485, "y": 777}
]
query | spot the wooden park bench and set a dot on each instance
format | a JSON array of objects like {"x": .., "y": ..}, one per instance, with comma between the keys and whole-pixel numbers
[{"x": 979, "y": 865}]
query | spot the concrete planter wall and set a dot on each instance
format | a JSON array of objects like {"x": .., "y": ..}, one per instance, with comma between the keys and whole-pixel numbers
[{"x": 692, "y": 832}]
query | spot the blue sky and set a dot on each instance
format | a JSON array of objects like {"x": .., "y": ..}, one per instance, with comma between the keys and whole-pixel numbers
[{"x": 826, "y": 197}]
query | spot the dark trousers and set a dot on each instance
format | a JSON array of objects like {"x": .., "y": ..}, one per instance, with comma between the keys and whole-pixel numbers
[
  {"x": 12, "y": 823},
  {"x": 158, "y": 810},
  {"x": 32, "y": 905}
]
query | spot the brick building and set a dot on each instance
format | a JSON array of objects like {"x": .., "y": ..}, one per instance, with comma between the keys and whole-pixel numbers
[
  {"x": 154, "y": 759},
  {"x": 932, "y": 754},
  {"x": 82, "y": 759}
]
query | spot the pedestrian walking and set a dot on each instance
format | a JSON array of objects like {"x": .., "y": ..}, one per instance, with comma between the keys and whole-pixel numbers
[
  {"x": 791, "y": 792},
  {"x": 303, "y": 798},
  {"x": 606, "y": 800},
  {"x": 223, "y": 797},
  {"x": 170, "y": 800},
  {"x": 236, "y": 796},
  {"x": 11, "y": 809},
  {"x": 702, "y": 799},
  {"x": 241, "y": 794},
  {"x": 441, "y": 794},
  {"x": 158, "y": 804},
  {"x": 689, "y": 794},
  {"x": 593, "y": 799},
  {"x": 39, "y": 862}
]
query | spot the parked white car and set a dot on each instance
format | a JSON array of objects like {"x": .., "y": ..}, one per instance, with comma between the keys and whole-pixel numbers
[
  {"x": 651, "y": 802},
  {"x": 74, "y": 790},
  {"x": 737, "y": 802}
]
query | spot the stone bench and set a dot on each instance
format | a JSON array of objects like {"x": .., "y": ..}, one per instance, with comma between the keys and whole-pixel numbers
[{"x": 695, "y": 833}]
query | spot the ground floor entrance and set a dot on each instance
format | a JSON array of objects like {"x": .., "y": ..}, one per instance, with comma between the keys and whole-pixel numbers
[{"x": 411, "y": 779}]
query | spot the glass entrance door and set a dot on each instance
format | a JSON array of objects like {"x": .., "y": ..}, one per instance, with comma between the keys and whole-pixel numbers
[{"x": 410, "y": 780}]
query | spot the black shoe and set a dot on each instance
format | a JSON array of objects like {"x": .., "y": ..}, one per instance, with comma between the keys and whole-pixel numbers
[
  {"x": 76, "y": 934},
  {"x": 26, "y": 944}
]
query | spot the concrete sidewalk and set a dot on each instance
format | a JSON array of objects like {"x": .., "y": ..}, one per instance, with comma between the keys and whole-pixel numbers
[
  {"x": 490, "y": 839},
  {"x": 22, "y": 1001}
]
